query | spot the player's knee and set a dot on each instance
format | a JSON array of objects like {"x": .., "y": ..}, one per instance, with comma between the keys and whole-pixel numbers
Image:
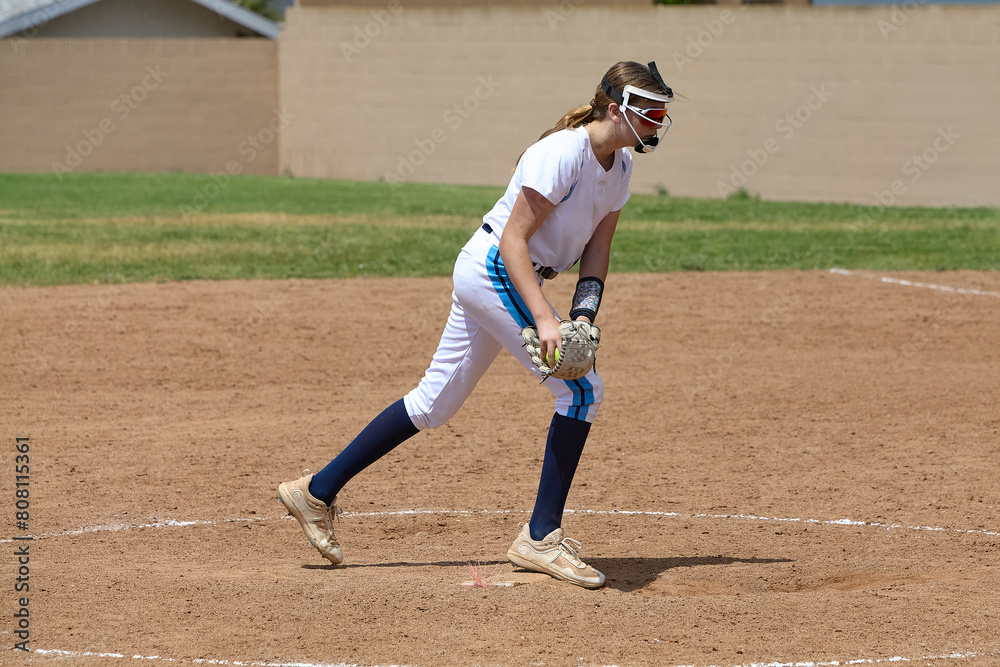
[
  {"x": 424, "y": 414},
  {"x": 424, "y": 421},
  {"x": 581, "y": 398},
  {"x": 589, "y": 391}
]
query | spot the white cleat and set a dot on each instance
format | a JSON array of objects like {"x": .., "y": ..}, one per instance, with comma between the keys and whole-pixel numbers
[
  {"x": 315, "y": 516},
  {"x": 555, "y": 556}
]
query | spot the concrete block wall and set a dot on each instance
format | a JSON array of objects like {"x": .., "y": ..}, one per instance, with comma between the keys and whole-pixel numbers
[
  {"x": 891, "y": 104},
  {"x": 154, "y": 105}
]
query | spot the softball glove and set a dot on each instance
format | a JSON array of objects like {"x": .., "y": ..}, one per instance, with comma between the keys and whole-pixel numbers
[{"x": 579, "y": 350}]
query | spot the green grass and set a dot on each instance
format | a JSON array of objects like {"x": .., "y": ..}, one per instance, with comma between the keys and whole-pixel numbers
[
  {"x": 110, "y": 195},
  {"x": 114, "y": 228}
]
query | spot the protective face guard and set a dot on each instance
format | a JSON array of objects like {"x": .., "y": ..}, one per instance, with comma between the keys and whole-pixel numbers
[{"x": 622, "y": 98}]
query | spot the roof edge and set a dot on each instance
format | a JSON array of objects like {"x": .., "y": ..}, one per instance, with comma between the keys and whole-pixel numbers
[
  {"x": 42, "y": 15},
  {"x": 243, "y": 16}
]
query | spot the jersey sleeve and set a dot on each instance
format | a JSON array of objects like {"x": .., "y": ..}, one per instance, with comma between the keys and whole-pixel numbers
[{"x": 552, "y": 166}]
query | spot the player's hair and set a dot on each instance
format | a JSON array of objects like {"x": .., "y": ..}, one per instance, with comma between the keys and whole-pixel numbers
[{"x": 621, "y": 74}]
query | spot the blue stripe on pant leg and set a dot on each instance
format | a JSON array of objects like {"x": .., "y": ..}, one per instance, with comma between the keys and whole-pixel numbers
[
  {"x": 512, "y": 301},
  {"x": 583, "y": 398}
]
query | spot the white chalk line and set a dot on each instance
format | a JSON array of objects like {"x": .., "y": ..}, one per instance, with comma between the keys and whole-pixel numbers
[
  {"x": 174, "y": 523},
  {"x": 55, "y": 653},
  {"x": 913, "y": 283}
]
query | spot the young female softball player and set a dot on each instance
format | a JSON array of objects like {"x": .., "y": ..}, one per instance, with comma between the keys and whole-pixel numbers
[{"x": 561, "y": 206}]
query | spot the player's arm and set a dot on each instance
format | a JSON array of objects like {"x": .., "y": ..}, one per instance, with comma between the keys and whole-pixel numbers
[
  {"x": 529, "y": 212},
  {"x": 596, "y": 258}
]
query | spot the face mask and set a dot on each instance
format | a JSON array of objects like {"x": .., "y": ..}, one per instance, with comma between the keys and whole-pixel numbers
[
  {"x": 627, "y": 95},
  {"x": 649, "y": 117}
]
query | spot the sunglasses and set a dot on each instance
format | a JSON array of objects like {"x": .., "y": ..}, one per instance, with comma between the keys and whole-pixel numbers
[{"x": 651, "y": 117}]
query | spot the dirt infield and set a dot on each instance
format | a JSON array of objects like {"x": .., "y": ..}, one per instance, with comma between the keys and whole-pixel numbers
[{"x": 789, "y": 467}]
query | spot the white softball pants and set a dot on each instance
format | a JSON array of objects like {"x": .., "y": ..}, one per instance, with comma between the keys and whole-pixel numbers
[{"x": 487, "y": 314}]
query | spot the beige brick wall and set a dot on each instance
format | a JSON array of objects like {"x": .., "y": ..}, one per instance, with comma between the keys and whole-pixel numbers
[
  {"x": 892, "y": 104},
  {"x": 190, "y": 105}
]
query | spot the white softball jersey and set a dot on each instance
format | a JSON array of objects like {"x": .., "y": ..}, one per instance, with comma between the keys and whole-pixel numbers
[
  {"x": 487, "y": 313},
  {"x": 562, "y": 168}
]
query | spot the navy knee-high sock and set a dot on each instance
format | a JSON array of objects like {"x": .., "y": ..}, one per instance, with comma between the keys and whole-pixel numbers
[
  {"x": 563, "y": 448},
  {"x": 380, "y": 437}
]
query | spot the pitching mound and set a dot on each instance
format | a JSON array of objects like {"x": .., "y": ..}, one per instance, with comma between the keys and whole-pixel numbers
[{"x": 789, "y": 467}]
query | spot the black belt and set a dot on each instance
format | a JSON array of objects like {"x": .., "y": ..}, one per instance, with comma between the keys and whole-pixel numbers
[{"x": 546, "y": 272}]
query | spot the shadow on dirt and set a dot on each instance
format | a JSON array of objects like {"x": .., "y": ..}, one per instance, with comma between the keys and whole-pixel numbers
[
  {"x": 630, "y": 574},
  {"x": 623, "y": 574}
]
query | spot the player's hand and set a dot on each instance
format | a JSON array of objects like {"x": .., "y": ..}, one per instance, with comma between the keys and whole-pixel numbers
[
  {"x": 577, "y": 347},
  {"x": 549, "y": 338}
]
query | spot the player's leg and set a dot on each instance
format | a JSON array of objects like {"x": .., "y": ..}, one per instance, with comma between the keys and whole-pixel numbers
[
  {"x": 464, "y": 353},
  {"x": 312, "y": 499},
  {"x": 463, "y": 356},
  {"x": 500, "y": 309},
  {"x": 389, "y": 429},
  {"x": 541, "y": 546},
  {"x": 563, "y": 449}
]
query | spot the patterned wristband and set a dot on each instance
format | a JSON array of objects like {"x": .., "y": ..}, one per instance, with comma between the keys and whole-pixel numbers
[{"x": 587, "y": 299}]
